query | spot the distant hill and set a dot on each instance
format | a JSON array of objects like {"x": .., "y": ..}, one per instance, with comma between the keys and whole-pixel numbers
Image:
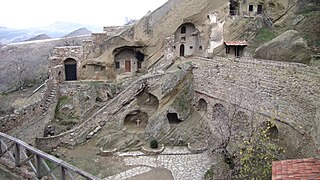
[
  {"x": 32, "y": 55},
  {"x": 55, "y": 30},
  {"x": 39, "y": 37},
  {"x": 79, "y": 32}
]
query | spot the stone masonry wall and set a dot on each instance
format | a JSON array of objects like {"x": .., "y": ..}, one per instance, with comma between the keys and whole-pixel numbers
[
  {"x": 288, "y": 92},
  {"x": 59, "y": 55},
  {"x": 24, "y": 119}
]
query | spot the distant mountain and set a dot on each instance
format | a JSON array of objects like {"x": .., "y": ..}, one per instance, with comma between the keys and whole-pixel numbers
[
  {"x": 69, "y": 26},
  {"x": 39, "y": 37},
  {"x": 78, "y": 32},
  {"x": 12, "y": 35},
  {"x": 55, "y": 30}
]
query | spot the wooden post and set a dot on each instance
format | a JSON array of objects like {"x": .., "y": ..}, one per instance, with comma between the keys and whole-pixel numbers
[
  {"x": 38, "y": 166},
  {"x": 63, "y": 173},
  {"x": 0, "y": 147},
  {"x": 16, "y": 154}
]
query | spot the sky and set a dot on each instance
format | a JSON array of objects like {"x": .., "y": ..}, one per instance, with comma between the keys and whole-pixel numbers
[{"x": 38, "y": 13}]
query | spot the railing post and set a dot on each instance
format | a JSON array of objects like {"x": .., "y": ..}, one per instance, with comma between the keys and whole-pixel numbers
[
  {"x": 63, "y": 173},
  {"x": 0, "y": 147},
  {"x": 38, "y": 166},
  {"x": 16, "y": 154}
]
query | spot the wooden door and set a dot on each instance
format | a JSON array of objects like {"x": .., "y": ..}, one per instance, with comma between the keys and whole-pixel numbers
[{"x": 127, "y": 66}]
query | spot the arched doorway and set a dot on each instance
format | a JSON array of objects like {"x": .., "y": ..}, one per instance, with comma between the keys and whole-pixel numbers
[
  {"x": 182, "y": 50},
  {"x": 70, "y": 67}
]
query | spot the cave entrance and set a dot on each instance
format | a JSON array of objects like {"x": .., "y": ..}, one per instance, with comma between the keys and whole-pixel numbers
[
  {"x": 136, "y": 121},
  {"x": 70, "y": 66},
  {"x": 173, "y": 118}
]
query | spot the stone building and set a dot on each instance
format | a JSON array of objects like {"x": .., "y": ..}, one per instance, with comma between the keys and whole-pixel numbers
[
  {"x": 128, "y": 60},
  {"x": 187, "y": 40}
]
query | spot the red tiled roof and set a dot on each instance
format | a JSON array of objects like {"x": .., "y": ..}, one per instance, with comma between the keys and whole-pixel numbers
[
  {"x": 236, "y": 43},
  {"x": 296, "y": 169}
]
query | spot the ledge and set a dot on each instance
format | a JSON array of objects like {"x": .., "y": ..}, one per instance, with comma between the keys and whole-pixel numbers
[
  {"x": 107, "y": 152},
  {"x": 152, "y": 151},
  {"x": 198, "y": 150}
]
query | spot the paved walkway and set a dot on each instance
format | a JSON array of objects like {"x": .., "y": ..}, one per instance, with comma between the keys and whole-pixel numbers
[
  {"x": 178, "y": 160},
  {"x": 129, "y": 173}
]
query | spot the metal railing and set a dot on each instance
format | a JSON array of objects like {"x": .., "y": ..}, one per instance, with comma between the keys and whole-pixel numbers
[{"x": 23, "y": 154}]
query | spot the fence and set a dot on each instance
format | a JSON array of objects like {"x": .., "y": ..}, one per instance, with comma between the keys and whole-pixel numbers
[{"x": 20, "y": 153}]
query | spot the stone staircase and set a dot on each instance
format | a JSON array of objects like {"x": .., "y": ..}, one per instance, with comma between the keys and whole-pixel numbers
[{"x": 50, "y": 98}]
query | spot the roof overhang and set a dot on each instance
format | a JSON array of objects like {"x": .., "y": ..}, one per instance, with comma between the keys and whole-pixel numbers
[{"x": 236, "y": 43}]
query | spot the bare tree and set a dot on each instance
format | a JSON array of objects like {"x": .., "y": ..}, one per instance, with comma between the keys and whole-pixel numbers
[
  {"x": 19, "y": 66},
  {"x": 244, "y": 142}
]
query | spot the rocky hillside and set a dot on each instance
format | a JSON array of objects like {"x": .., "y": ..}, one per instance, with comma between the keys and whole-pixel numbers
[
  {"x": 297, "y": 31},
  {"x": 79, "y": 32},
  {"x": 39, "y": 37},
  {"x": 26, "y": 64}
]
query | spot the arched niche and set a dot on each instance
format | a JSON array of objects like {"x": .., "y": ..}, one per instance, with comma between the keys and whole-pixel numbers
[
  {"x": 219, "y": 112},
  {"x": 271, "y": 130},
  {"x": 202, "y": 105},
  {"x": 70, "y": 67},
  {"x": 173, "y": 118},
  {"x": 136, "y": 121},
  {"x": 148, "y": 100}
]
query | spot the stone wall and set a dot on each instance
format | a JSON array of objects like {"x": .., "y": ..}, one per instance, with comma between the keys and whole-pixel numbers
[
  {"x": 85, "y": 96},
  {"x": 28, "y": 122},
  {"x": 289, "y": 92}
]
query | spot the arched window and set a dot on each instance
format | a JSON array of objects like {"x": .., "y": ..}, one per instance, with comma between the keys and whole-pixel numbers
[{"x": 183, "y": 30}]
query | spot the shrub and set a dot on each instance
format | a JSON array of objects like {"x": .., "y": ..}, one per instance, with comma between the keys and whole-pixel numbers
[{"x": 154, "y": 144}]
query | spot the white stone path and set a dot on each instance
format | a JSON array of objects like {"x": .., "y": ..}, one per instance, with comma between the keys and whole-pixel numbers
[{"x": 179, "y": 161}]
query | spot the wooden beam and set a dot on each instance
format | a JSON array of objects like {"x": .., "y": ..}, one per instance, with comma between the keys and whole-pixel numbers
[
  {"x": 7, "y": 149},
  {"x": 48, "y": 169},
  {"x": 30, "y": 163},
  {"x": 63, "y": 173},
  {"x": 16, "y": 155},
  {"x": 38, "y": 166}
]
